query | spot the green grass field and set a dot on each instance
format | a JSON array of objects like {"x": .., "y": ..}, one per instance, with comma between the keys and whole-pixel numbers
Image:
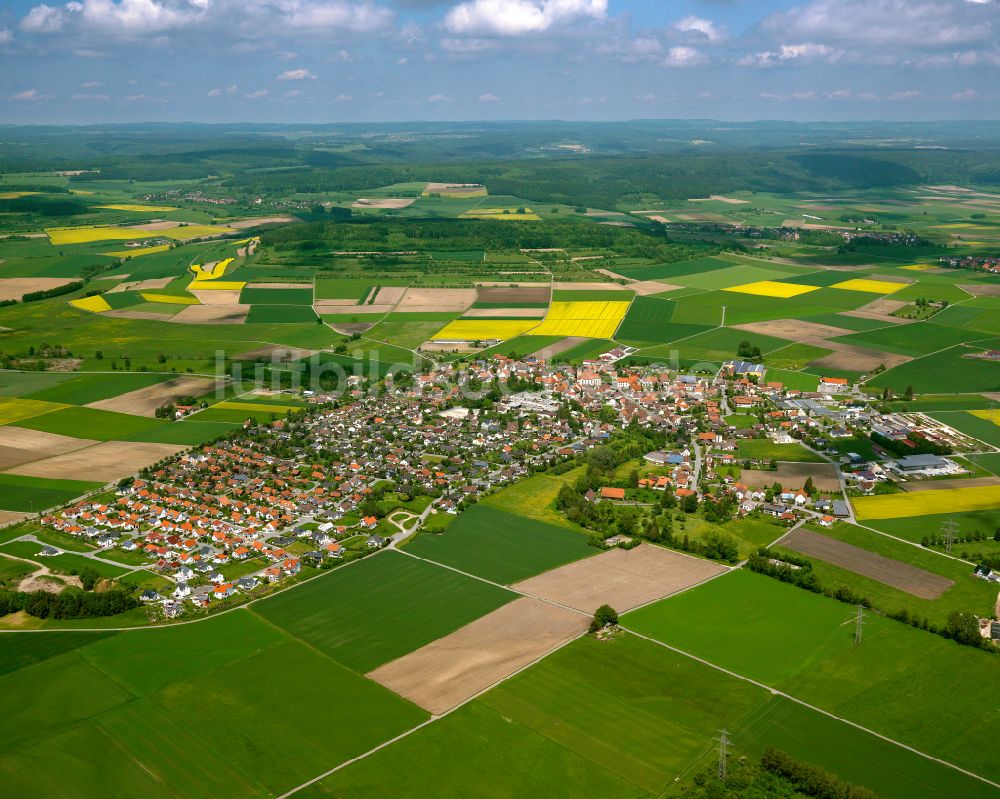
[
  {"x": 947, "y": 368},
  {"x": 500, "y": 546},
  {"x": 103, "y": 718},
  {"x": 281, "y": 314},
  {"x": 381, "y": 608},
  {"x": 803, "y": 643},
  {"x": 67, "y": 563},
  {"x": 98, "y": 424},
  {"x": 39, "y": 493},
  {"x": 83, "y": 389},
  {"x": 625, "y": 718},
  {"x": 184, "y": 432},
  {"x": 766, "y": 449},
  {"x": 251, "y": 295}
]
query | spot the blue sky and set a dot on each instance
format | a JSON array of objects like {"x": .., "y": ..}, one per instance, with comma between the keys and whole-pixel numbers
[{"x": 389, "y": 60}]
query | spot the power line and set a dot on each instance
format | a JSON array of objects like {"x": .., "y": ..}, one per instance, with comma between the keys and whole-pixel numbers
[
  {"x": 949, "y": 531},
  {"x": 724, "y": 744},
  {"x": 859, "y": 625}
]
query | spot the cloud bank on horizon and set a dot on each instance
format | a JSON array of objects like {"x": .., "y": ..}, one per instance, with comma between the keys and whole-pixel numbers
[{"x": 386, "y": 60}]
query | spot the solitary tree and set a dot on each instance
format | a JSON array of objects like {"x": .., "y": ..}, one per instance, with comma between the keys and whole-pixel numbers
[{"x": 603, "y": 617}]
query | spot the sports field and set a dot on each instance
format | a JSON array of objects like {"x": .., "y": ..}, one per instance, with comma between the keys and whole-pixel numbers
[
  {"x": 500, "y": 546},
  {"x": 381, "y": 608},
  {"x": 921, "y": 503}
]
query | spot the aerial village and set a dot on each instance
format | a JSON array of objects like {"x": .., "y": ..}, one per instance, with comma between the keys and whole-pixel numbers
[{"x": 359, "y": 472}]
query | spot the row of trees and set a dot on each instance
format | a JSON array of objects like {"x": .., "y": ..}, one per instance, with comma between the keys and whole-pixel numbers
[{"x": 69, "y": 604}]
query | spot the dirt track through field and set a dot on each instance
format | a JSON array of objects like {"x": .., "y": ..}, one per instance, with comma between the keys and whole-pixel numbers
[
  {"x": 621, "y": 578},
  {"x": 452, "y": 669},
  {"x": 894, "y": 573},
  {"x": 145, "y": 401},
  {"x": 102, "y": 463},
  {"x": 792, "y": 476}
]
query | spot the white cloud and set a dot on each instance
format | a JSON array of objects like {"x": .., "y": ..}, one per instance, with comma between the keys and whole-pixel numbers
[
  {"x": 966, "y": 94},
  {"x": 519, "y": 17},
  {"x": 257, "y": 95},
  {"x": 683, "y": 57},
  {"x": 129, "y": 17},
  {"x": 336, "y": 14},
  {"x": 296, "y": 74},
  {"x": 293, "y": 94},
  {"x": 6, "y": 36},
  {"x": 438, "y": 98},
  {"x": 702, "y": 27},
  {"x": 804, "y": 51},
  {"x": 86, "y": 97},
  {"x": 91, "y": 84},
  {"x": 228, "y": 91},
  {"x": 799, "y": 96},
  {"x": 343, "y": 98},
  {"x": 135, "y": 98},
  {"x": 27, "y": 96},
  {"x": 489, "y": 97}
]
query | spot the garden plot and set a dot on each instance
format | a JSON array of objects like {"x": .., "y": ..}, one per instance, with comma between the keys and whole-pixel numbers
[
  {"x": 13, "y": 288},
  {"x": 104, "y": 462},
  {"x": 453, "y": 669},
  {"x": 621, "y": 578},
  {"x": 19, "y": 445},
  {"x": 145, "y": 401},
  {"x": 895, "y": 573},
  {"x": 793, "y": 476},
  {"x": 427, "y": 300}
]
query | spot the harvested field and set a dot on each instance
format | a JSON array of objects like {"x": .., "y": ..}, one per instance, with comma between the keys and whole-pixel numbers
[
  {"x": 496, "y": 295},
  {"x": 145, "y": 401},
  {"x": 18, "y": 445},
  {"x": 945, "y": 485},
  {"x": 455, "y": 668},
  {"x": 850, "y": 358},
  {"x": 559, "y": 347},
  {"x": 914, "y": 581},
  {"x": 792, "y": 476},
  {"x": 13, "y": 288},
  {"x": 141, "y": 285},
  {"x": 212, "y": 314},
  {"x": 661, "y": 219},
  {"x": 504, "y": 313},
  {"x": 275, "y": 353},
  {"x": 719, "y": 199},
  {"x": 321, "y": 305},
  {"x": 621, "y": 578},
  {"x": 456, "y": 189},
  {"x": 646, "y": 287},
  {"x": 390, "y": 295},
  {"x": 794, "y": 329},
  {"x": 981, "y": 289},
  {"x": 11, "y": 516},
  {"x": 104, "y": 462},
  {"x": 354, "y": 310},
  {"x": 242, "y": 224},
  {"x": 384, "y": 202},
  {"x": 218, "y": 296},
  {"x": 432, "y": 300},
  {"x": 892, "y": 320}
]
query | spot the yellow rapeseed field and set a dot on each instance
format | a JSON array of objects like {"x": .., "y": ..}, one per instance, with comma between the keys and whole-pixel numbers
[
  {"x": 85, "y": 235},
  {"x": 13, "y": 195},
  {"x": 97, "y": 303},
  {"x": 990, "y": 416},
  {"x": 598, "y": 319},
  {"x": 14, "y": 409},
  {"x": 173, "y": 299},
  {"x": 509, "y": 214},
  {"x": 923, "y": 503},
  {"x": 918, "y": 267},
  {"x": 217, "y": 285},
  {"x": 137, "y": 251},
  {"x": 484, "y": 329},
  {"x": 214, "y": 273},
  {"x": 141, "y": 208},
  {"x": 772, "y": 288},
  {"x": 870, "y": 286}
]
